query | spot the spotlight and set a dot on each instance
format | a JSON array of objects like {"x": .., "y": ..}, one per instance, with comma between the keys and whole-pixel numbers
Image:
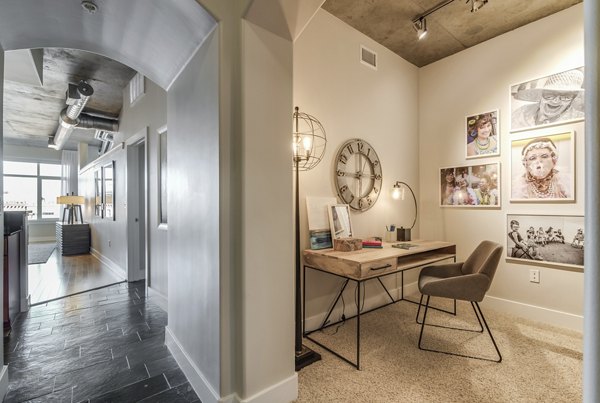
[
  {"x": 420, "y": 26},
  {"x": 477, "y": 4}
]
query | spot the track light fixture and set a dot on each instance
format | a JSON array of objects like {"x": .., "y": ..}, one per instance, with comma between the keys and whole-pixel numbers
[
  {"x": 477, "y": 4},
  {"x": 420, "y": 24}
]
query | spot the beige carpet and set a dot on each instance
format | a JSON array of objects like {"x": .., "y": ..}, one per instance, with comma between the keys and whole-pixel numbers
[{"x": 540, "y": 363}]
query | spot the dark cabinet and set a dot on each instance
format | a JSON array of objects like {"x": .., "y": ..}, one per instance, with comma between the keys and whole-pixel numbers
[{"x": 73, "y": 239}]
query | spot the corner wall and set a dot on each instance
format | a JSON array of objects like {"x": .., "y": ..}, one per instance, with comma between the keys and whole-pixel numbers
[
  {"x": 478, "y": 80},
  {"x": 352, "y": 100}
]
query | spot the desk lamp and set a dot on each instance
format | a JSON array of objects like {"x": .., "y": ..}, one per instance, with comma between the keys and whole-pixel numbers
[
  {"x": 398, "y": 192},
  {"x": 72, "y": 206},
  {"x": 309, "y": 141}
]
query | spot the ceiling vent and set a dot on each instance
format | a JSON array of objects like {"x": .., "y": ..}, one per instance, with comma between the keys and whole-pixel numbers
[
  {"x": 368, "y": 57},
  {"x": 136, "y": 88}
]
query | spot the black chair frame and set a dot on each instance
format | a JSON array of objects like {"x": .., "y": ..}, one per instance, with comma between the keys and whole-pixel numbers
[{"x": 480, "y": 319}]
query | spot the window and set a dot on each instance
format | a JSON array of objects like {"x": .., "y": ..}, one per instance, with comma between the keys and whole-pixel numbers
[{"x": 32, "y": 187}]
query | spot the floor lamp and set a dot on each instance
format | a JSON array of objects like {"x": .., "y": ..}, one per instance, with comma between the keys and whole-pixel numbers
[{"x": 309, "y": 141}]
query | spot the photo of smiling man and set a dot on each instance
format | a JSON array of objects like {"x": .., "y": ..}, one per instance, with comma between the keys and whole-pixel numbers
[{"x": 550, "y": 100}]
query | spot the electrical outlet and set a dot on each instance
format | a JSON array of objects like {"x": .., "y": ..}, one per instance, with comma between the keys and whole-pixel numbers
[{"x": 534, "y": 275}]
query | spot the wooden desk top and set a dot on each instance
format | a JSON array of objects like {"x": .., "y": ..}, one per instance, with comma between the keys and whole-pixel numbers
[{"x": 374, "y": 262}]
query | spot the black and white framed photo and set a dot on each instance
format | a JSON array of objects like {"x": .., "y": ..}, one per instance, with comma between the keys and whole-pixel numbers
[
  {"x": 554, "y": 240},
  {"x": 482, "y": 135},
  {"x": 551, "y": 100},
  {"x": 470, "y": 186},
  {"x": 543, "y": 168}
]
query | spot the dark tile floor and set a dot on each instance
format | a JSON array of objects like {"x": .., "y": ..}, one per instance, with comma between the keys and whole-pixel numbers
[{"x": 105, "y": 345}]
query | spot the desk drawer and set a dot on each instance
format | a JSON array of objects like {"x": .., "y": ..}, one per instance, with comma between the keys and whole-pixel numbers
[{"x": 378, "y": 267}]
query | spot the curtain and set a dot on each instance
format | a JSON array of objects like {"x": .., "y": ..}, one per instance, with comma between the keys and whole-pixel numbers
[{"x": 69, "y": 176}]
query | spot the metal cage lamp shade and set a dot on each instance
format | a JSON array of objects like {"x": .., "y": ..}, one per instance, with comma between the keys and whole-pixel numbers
[
  {"x": 72, "y": 207},
  {"x": 308, "y": 144},
  {"x": 309, "y": 141},
  {"x": 399, "y": 192}
]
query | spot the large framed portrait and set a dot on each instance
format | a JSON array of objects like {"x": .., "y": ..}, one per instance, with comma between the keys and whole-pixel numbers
[
  {"x": 553, "y": 240},
  {"x": 543, "y": 168},
  {"x": 470, "y": 186},
  {"x": 482, "y": 135},
  {"x": 551, "y": 100}
]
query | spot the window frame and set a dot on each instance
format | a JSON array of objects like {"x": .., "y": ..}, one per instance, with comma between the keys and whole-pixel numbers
[{"x": 39, "y": 179}]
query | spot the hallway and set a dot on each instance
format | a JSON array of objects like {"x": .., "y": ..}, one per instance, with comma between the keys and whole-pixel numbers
[
  {"x": 102, "y": 345},
  {"x": 67, "y": 275}
]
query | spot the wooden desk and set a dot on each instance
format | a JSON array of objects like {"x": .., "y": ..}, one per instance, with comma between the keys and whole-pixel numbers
[{"x": 368, "y": 264}]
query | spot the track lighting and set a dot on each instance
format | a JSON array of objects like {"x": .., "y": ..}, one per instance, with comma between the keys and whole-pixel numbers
[
  {"x": 477, "y": 4},
  {"x": 420, "y": 26}
]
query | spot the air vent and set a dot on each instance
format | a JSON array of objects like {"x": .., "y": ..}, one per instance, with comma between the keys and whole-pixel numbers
[
  {"x": 368, "y": 57},
  {"x": 136, "y": 88}
]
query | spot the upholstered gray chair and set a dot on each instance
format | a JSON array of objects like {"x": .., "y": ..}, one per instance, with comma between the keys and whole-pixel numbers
[{"x": 466, "y": 281}]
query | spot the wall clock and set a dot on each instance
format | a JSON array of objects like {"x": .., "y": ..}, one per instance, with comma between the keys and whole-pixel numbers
[{"x": 358, "y": 174}]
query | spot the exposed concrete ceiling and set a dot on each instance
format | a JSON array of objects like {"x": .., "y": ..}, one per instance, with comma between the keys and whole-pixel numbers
[
  {"x": 450, "y": 29},
  {"x": 31, "y": 111}
]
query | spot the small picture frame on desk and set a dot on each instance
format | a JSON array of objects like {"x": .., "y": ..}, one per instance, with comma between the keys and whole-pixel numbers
[{"x": 339, "y": 221}]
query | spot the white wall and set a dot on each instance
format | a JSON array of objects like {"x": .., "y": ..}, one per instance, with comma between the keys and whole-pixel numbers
[
  {"x": 193, "y": 235},
  {"x": 352, "y": 100},
  {"x": 108, "y": 236},
  {"x": 478, "y": 80},
  {"x": 149, "y": 111},
  {"x": 268, "y": 267}
]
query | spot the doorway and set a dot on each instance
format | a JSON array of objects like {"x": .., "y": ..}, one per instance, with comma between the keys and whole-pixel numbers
[{"x": 137, "y": 245}]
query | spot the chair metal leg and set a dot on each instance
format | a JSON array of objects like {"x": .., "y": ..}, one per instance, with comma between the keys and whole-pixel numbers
[
  {"x": 441, "y": 310},
  {"x": 489, "y": 332},
  {"x": 419, "y": 310},
  {"x": 478, "y": 314}
]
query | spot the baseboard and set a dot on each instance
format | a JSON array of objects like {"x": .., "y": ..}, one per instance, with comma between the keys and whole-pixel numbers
[
  {"x": 372, "y": 301},
  {"x": 201, "y": 386},
  {"x": 159, "y": 299},
  {"x": 112, "y": 266},
  {"x": 284, "y": 391},
  {"x": 25, "y": 303},
  {"x": 536, "y": 313},
  {"x": 3, "y": 382},
  {"x": 41, "y": 239},
  {"x": 527, "y": 311}
]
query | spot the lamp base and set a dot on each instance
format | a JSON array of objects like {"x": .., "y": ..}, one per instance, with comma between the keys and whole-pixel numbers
[{"x": 306, "y": 357}]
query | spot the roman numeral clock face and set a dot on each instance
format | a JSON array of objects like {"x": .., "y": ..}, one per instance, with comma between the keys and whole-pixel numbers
[{"x": 358, "y": 175}]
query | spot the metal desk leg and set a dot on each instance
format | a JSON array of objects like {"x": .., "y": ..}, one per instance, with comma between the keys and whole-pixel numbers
[{"x": 358, "y": 329}]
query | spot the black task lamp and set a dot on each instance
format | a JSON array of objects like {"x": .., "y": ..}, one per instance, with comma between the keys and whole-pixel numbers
[
  {"x": 309, "y": 141},
  {"x": 398, "y": 192}
]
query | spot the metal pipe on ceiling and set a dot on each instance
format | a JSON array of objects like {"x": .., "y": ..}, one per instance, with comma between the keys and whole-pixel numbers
[{"x": 72, "y": 116}]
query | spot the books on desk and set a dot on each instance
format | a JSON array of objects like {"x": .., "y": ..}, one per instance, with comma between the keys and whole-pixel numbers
[{"x": 372, "y": 243}]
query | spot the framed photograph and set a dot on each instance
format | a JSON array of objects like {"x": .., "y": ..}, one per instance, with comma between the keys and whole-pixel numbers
[
  {"x": 543, "y": 168},
  {"x": 108, "y": 190},
  {"x": 339, "y": 221},
  {"x": 470, "y": 186},
  {"x": 98, "y": 210},
  {"x": 551, "y": 100},
  {"x": 545, "y": 239},
  {"x": 482, "y": 135}
]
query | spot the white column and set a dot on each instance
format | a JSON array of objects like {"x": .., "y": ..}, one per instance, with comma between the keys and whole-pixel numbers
[{"x": 591, "y": 344}]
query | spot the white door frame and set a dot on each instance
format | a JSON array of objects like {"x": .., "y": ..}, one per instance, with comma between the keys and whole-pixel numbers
[{"x": 140, "y": 137}]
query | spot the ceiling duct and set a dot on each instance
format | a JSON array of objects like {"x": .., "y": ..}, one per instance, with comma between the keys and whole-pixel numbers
[{"x": 71, "y": 116}]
